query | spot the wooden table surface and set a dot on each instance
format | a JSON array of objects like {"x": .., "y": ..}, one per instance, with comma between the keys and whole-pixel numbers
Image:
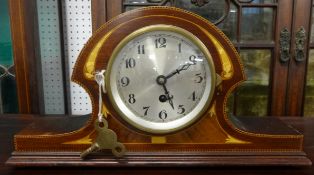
[{"x": 11, "y": 124}]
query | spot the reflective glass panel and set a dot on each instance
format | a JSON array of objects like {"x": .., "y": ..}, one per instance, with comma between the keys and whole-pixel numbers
[
  {"x": 257, "y": 24},
  {"x": 258, "y": 1},
  {"x": 5, "y": 39},
  {"x": 309, "y": 89},
  {"x": 135, "y": 1},
  {"x": 134, "y": 4},
  {"x": 128, "y": 8},
  {"x": 8, "y": 96},
  {"x": 229, "y": 25},
  {"x": 251, "y": 98},
  {"x": 312, "y": 28},
  {"x": 212, "y": 10}
]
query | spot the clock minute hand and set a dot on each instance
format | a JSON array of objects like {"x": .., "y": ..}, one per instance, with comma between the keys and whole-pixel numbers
[{"x": 178, "y": 70}]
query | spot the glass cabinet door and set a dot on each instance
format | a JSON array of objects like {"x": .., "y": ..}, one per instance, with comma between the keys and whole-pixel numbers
[
  {"x": 8, "y": 96},
  {"x": 309, "y": 87}
]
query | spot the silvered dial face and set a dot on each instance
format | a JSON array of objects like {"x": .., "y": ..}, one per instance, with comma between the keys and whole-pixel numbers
[{"x": 161, "y": 80}]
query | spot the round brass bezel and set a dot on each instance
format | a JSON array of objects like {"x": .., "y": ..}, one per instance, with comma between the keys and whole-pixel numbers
[{"x": 161, "y": 27}]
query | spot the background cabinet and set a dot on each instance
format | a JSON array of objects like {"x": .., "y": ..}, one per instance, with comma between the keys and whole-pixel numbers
[
  {"x": 260, "y": 30},
  {"x": 276, "y": 85}
]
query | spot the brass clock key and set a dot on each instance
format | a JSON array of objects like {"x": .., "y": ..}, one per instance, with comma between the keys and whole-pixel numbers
[{"x": 106, "y": 139}]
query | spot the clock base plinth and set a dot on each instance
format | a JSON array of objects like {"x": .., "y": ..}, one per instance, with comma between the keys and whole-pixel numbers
[
  {"x": 49, "y": 141},
  {"x": 160, "y": 159}
]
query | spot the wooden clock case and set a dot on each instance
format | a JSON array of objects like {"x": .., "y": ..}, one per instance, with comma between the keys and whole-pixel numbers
[{"x": 216, "y": 139}]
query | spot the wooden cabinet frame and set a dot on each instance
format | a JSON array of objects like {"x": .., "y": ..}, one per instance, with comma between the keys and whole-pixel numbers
[{"x": 25, "y": 51}]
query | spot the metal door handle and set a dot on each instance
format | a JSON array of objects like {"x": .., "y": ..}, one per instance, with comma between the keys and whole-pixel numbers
[
  {"x": 284, "y": 42},
  {"x": 300, "y": 38}
]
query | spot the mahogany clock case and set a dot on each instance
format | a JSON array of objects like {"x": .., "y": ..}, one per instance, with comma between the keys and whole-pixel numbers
[{"x": 216, "y": 139}]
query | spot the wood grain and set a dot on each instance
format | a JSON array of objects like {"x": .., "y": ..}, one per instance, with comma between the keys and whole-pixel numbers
[
  {"x": 297, "y": 70},
  {"x": 99, "y": 13},
  {"x": 23, "y": 17},
  {"x": 279, "y": 70}
]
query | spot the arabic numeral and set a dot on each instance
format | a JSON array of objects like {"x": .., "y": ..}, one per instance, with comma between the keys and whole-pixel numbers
[
  {"x": 199, "y": 78},
  {"x": 125, "y": 81},
  {"x": 132, "y": 98},
  {"x": 160, "y": 42},
  {"x": 141, "y": 49},
  {"x": 145, "y": 108},
  {"x": 130, "y": 63},
  {"x": 192, "y": 58},
  {"x": 163, "y": 115},
  {"x": 181, "y": 109},
  {"x": 179, "y": 47},
  {"x": 193, "y": 96}
]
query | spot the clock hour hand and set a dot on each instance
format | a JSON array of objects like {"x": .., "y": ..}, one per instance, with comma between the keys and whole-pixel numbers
[
  {"x": 169, "y": 98},
  {"x": 161, "y": 80}
]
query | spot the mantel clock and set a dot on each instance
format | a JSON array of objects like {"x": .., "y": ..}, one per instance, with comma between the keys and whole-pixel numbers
[{"x": 163, "y": 77}]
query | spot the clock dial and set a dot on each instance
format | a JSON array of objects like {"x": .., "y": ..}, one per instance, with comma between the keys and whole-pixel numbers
[{"x": 161, "y": 80}]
